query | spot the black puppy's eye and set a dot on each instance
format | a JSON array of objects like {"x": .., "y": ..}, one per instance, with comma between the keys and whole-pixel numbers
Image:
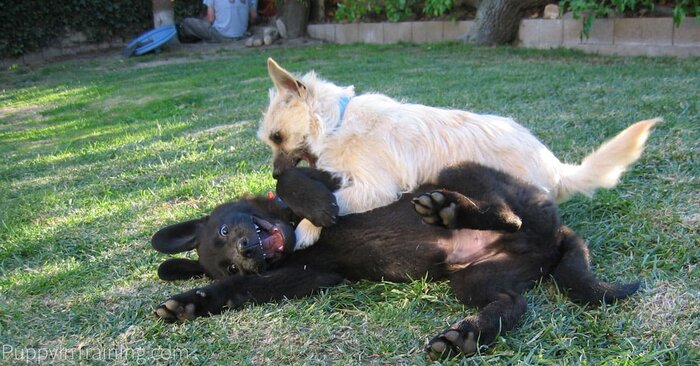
[
  {"x": 223, "y": 231},
  {"x": 276, "y": 138},
  {"x": 232, "y": 269}
]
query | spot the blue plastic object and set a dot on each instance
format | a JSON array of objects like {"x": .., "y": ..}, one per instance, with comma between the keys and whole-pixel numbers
[{"x": 150, "y": 40}]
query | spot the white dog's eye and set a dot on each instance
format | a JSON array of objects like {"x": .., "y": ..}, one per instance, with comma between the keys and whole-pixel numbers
[
  {"x": 223, "y": 231},
  {"x": 276, "y": 138}
]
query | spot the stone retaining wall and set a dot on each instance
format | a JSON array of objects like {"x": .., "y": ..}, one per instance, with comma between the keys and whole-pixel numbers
[
  {"x": 74, "y": 44},
  {"x": 623, "y": 36}
]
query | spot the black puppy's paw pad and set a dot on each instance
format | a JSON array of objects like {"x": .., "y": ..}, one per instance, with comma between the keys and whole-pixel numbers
[
  {"x": 435, "y": 208},
  {"x": 182, "y": 307},
  {"x": 452, "y": 343}
]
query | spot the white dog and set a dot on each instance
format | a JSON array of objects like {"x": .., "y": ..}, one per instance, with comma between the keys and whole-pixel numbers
[{"x": 379, "y": 147}]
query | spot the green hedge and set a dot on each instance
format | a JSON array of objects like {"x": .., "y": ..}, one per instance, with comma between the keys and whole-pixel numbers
[{"x": 27, "y": 26}]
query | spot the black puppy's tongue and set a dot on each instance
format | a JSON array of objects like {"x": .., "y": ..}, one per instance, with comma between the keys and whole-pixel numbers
[
  {"x": 271, "y": 239},
  {"x": 273, "y": 243}
]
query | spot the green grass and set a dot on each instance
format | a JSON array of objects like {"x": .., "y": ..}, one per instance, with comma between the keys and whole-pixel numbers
[{"x": 99, "y": 154}]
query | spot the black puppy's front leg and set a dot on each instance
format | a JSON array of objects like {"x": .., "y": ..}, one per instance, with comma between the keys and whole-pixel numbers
[
  {"x": 234, "y": 291},
  {"x": 454, "y": 210},
  {"x": 308, "y": 193}
]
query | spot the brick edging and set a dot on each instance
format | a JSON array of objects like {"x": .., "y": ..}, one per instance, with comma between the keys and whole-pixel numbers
[{"x": 623, "y": 36}]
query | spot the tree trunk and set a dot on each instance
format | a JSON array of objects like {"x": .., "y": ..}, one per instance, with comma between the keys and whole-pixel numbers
[
  {"x": 317, "y": 11},
  {"x": 497, "y": 21},
  {"x": 295, "y": 16},
  {"x": 163, "y": 13}
]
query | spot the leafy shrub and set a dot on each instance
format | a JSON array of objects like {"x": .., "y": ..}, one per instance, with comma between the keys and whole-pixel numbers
[
  {"x": 392, "y": 10},
  {"x": 354, "y": 10},
  {"x": 189, "y": 8},
  {"x": 27, "y": 26},
  {"x": 436, "y": 8},
  {"x": 590, "y": 10},
  {"x": 398, "y": 10}
]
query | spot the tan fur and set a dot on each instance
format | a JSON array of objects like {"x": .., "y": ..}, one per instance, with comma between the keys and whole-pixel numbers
[{"x": 383, "y": 147}]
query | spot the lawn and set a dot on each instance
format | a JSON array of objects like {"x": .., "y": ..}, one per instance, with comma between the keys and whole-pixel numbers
[{"x": 98, "y": 154}]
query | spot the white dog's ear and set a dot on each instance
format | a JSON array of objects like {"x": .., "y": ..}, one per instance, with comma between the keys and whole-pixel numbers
[{"x": 283, "y": 80}]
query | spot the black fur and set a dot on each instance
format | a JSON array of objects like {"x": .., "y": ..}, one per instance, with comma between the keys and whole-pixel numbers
[{"x": 491, "y": 235}]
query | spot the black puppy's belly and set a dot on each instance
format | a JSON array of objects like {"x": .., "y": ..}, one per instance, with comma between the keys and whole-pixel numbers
[{"x": 466, "y": 246}]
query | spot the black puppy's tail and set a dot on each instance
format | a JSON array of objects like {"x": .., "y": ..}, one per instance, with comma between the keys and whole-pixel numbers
[{"x": 574, "y": 273}]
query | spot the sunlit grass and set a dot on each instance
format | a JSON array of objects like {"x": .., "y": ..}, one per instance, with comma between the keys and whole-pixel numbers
[{"x": 99, "y": 154}]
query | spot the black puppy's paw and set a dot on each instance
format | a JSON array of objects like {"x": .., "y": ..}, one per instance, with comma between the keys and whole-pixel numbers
[
  {"x": 185, "y": 306},
  {"x": 460, "y": 339},
  {"x": 435, "y": 208},
  {"x": 454, "y": 210},
  {"x": 307, "y": 197},
  {"x": 324, "y": 212}
]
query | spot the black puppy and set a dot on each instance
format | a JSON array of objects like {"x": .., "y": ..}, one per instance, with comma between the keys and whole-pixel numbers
[{"x": 491, "y": 235}]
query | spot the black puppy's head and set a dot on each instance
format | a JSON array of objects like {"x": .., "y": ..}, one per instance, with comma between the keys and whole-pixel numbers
[{"x": 236, "y": 237}]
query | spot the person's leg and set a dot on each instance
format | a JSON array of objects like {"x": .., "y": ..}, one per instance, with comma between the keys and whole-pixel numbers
[
  {"x": 198, "y": 28},
  {"x": 215, "y": 36}
]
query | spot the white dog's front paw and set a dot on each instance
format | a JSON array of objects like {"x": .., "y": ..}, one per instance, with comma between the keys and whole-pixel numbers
[{"x": 307, "y": 234}]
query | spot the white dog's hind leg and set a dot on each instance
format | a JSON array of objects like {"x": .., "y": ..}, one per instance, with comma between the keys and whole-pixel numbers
[{"x": 307, "y": 234}]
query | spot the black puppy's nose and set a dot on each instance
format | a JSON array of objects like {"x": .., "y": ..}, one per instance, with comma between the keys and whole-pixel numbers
[
  {"x": 276, "y": 173},
  {"x": 246, "y": 247}
]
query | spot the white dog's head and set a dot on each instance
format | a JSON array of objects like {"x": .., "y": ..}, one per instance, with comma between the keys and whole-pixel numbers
[{"x": 289, "y": 123}]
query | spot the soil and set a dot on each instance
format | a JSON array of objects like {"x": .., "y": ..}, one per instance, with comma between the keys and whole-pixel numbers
[{"x": 206, "y": 50}]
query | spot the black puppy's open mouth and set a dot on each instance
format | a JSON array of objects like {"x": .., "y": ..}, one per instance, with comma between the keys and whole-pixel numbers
[
  {"x": 270, "y": 238},
  {"x": 310, "y": 159}
]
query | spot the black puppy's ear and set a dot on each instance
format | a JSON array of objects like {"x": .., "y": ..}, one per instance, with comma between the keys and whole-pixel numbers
[
  {"x": 178, "y": 238},
  {"x": 180, "y": 269}
]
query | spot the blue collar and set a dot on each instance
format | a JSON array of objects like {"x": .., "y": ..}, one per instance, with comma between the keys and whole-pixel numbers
[{"x": 342, "y": 104}]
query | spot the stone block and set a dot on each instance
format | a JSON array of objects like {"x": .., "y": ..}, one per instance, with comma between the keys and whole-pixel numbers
[
  {"x": 346, "y": 33},
  {"x": 316, "y": 30},
  {"x": 601, "y": 32},
  {"x": 6, "y": 63},
  {"x": 452, "y": 30},
  {"x": 329, "y": 32},
  {"x": 646, "y": 31},
  {"x": 541, "y": 33},
  {"x": 371, "y": 33},
  {"x": 397, "y": 32},
  {"x": 33, "y": 58},
  {"x": 423, "y": 32},
  {"x": 688, "y": 33},
  {"x": 67, "y": 51},
  {"x": 551, "y": 11},
  {"x": 51, "y": 53}
]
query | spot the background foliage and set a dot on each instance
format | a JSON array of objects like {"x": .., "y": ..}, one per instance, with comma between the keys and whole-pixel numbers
[
  {"x": 27, "y": 26},
  {"x": 392, "y": 10},
  {"x": 590, "y": 10}
]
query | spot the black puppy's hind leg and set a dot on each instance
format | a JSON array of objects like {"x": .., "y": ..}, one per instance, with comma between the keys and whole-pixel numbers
[
  {"x": 454, "y": 210},
  {"x": 234, "y": 291},
  {"x": 573, "y": 273},
  {"x": 465, "y": 336}
]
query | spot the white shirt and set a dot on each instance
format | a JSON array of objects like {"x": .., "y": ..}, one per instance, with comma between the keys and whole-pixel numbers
[{"x": 231, "y": 16}]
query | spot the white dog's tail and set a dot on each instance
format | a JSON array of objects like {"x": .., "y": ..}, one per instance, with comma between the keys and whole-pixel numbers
[{"x": 603, "y": 167}]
